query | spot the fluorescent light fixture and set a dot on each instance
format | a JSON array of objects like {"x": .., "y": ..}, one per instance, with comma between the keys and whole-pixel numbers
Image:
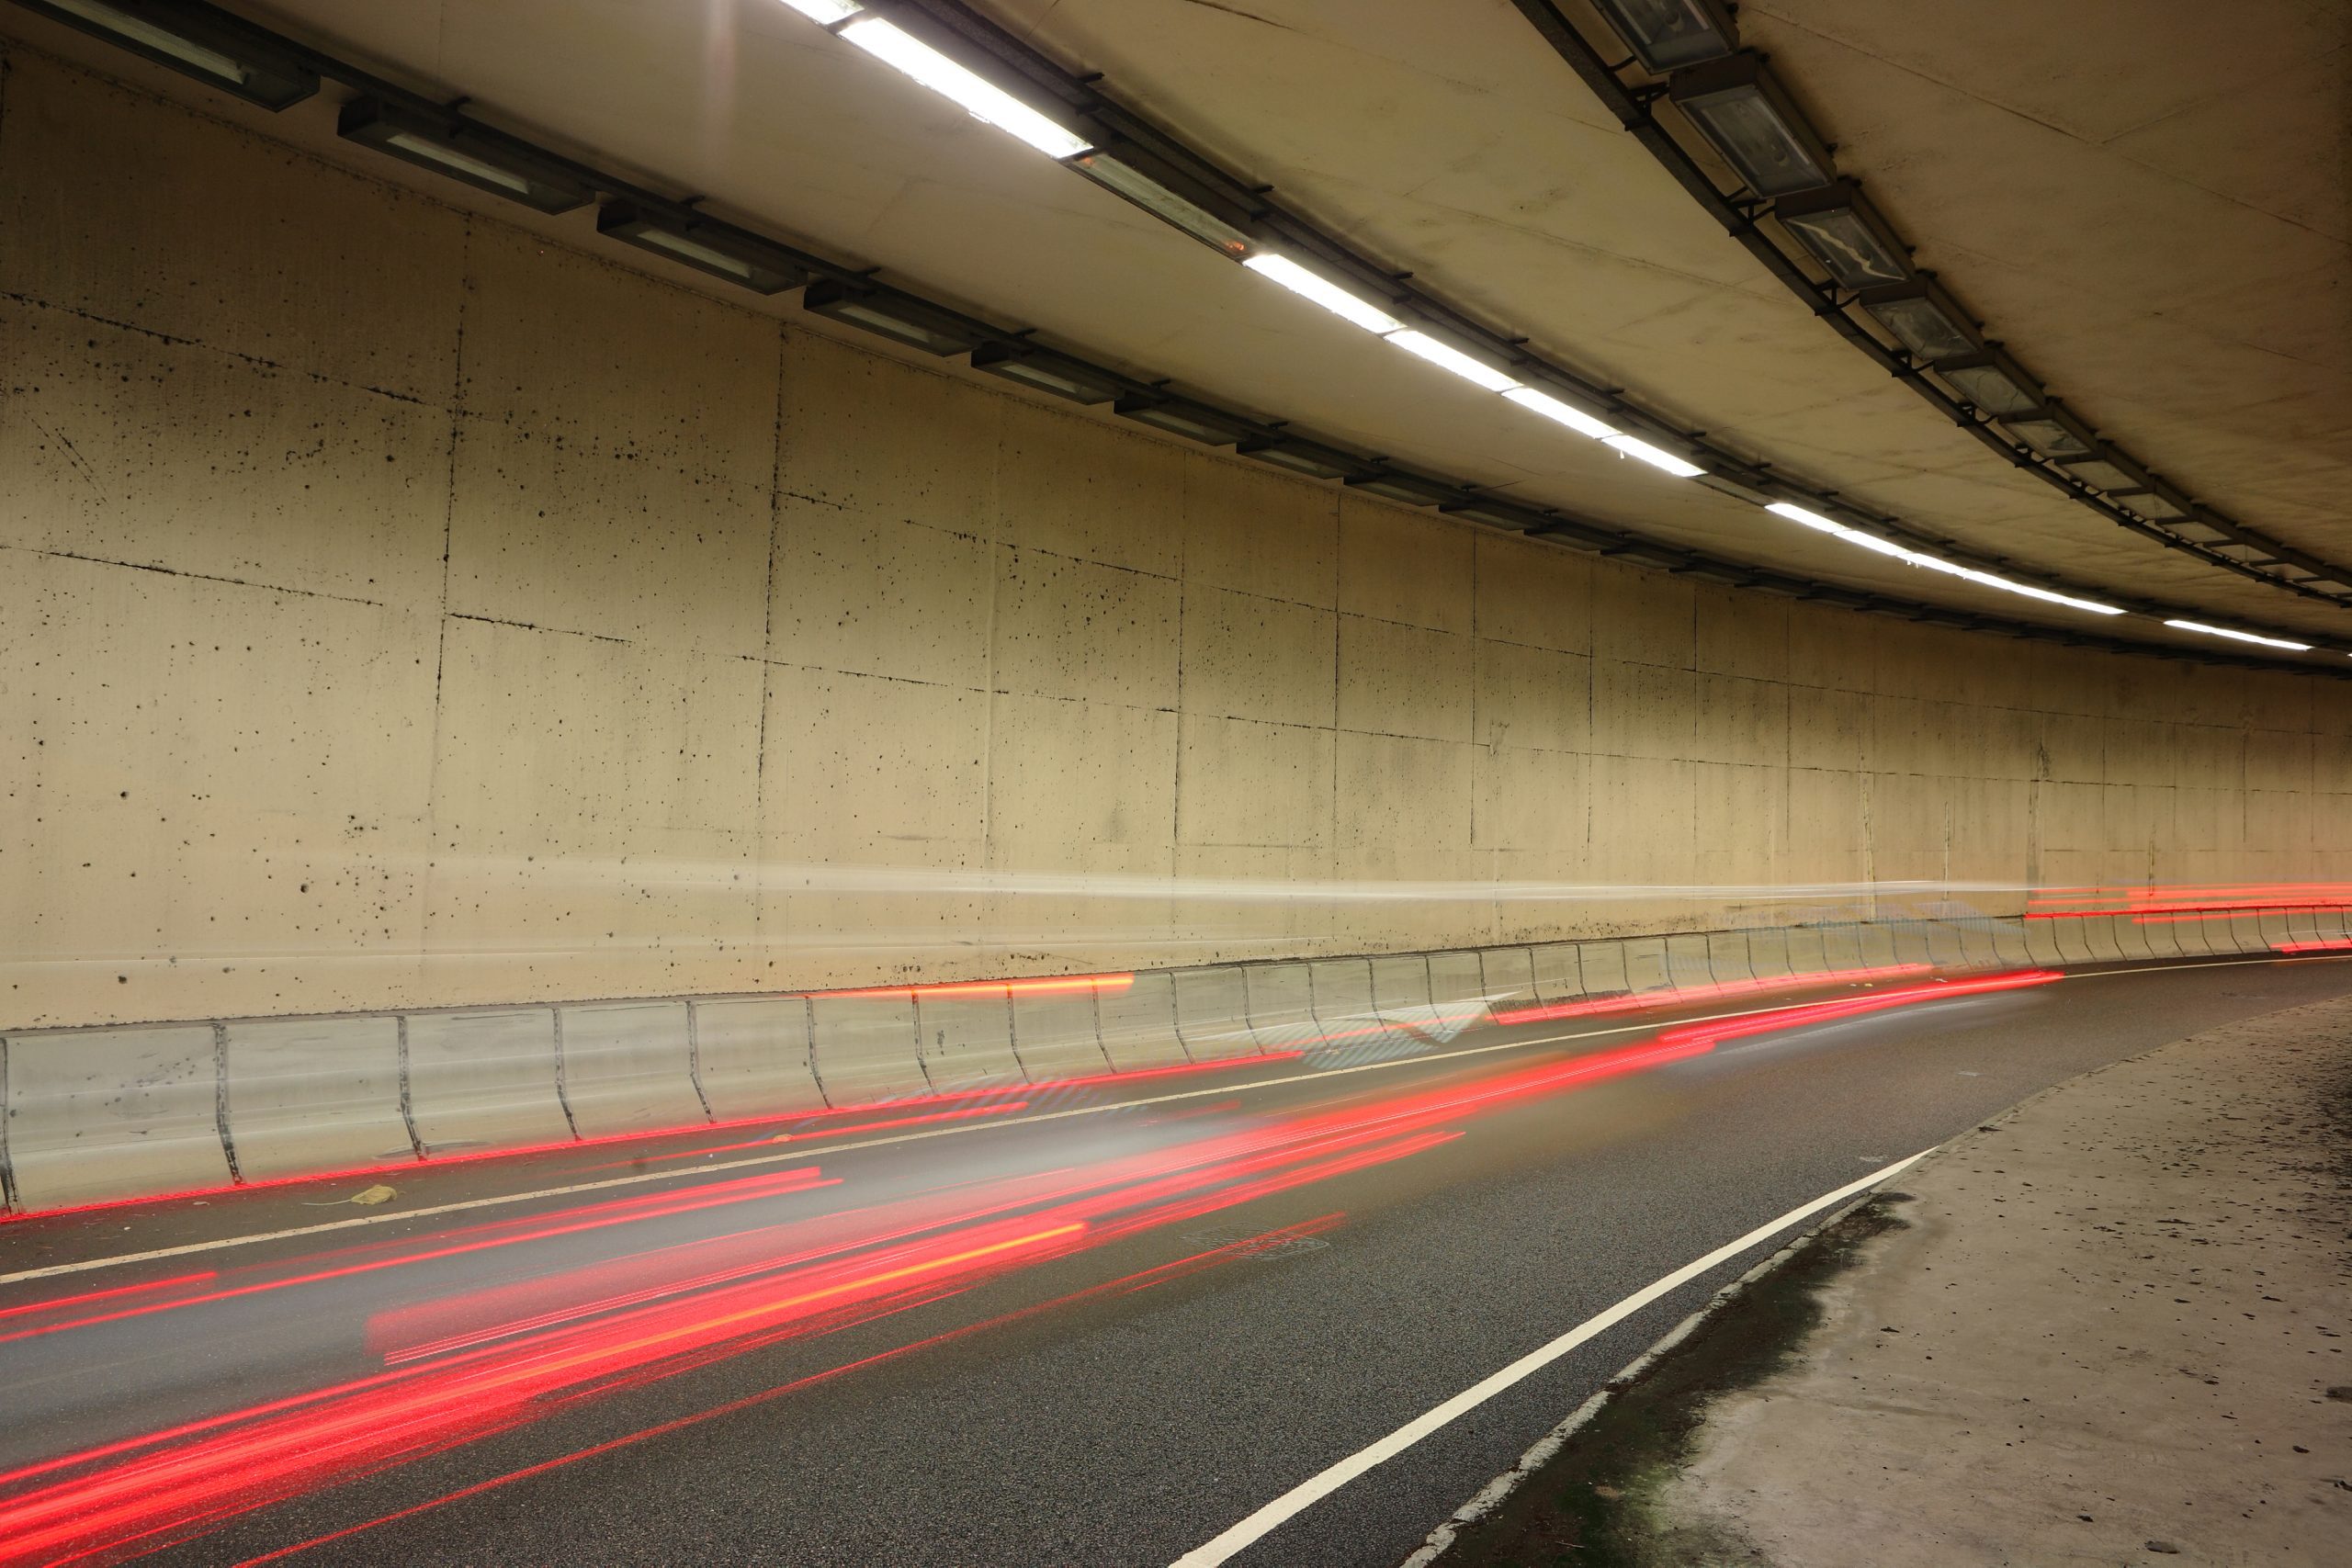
[
  {"x": 1888, "y": 547},
  {"x": 1181, "y": 416},
  {"x": 1666, "y": 34},
  {"x": 1740, "y": 106},
  {"x": 2239, "y": 637},
  {"x": 1846, "y": 235},
  {"x": 1923, "y": 319},
  {"x": 885, "y": 313},
  {"x": 195, "y": 39},
  {"x": 1048, "y": 372},
  {"x": 1655, "y": 456},
  {"x": 1324, "y": 292},
  {"x": 1123, "y": 178},
  {"x": 969, "y": 90},
  {"x": 825, "y": 12},
  {"x": 1309, "y": 457},
  {"x": 1991, "y": 380},
  {"x": 1445, "y": 357},
  {"x": 736, "y": 258},
  {"x": 463, "y": 150},
  {"x": 1397, "y": 484},
  {"x": 1551, "y": 408},
  {"x": 2053, "y": 431}
]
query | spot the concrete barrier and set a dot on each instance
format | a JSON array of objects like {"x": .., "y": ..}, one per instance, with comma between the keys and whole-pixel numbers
[
  {"x": 1767, "y": 952},
  {"x": 1727, "y": 957},
  {"x": 1688, "y": 961},
  {"x": 1841, "y": 946},
  {"x": 315, "y": 1094},
  {"x": 1400, "y": 988},
  {"x": 1457, "y": 989},
  {"x": 1343, "y": 1009},
  {"x": 2133, "y": 937},
  {"x": 1602, "y": 966},
  {"x": 95, "y": 1114},
  {"x": 627, "y": 1069},
  {"x": 1137, "y": 1024},
  {"x": 485, "y": 1080},
  {"x": 1507, "y": 975},
  {"x": 1213, "y": 1014},
  {"x": 865, "y": 1047},
  {"x": 2009, "y": 948},
  {"x": 752, "y": 1058},
  {"x": 1947, "y": 949},
  {"x": 1561, "y": 974},
  {"x": 1877, "y": 944},
  {"x": 2245, "y": 934},
  {"x": 1808, "y": 951},
  {"x": 2103, "y": 938},
  {"x": 1645, "y": 961},
  {"x": 1281, "y": 1006},
  {"x": 966, "y": 1038},
  {"x": 1056, "y": 1034}
]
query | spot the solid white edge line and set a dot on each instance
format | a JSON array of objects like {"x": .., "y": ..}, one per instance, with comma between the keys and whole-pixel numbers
[{"x": 1313, "y": 1490}]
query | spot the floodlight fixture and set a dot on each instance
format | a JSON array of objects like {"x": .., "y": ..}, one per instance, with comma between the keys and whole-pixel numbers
[
  {"x": 1666, "y": 34},
  {"x": 1738, "y": 105},
  {"x": 1845, "y": 233},
  {"x": 962, "y": 85},
  {"x": 1991, "y": 380},
  {"x": 704, "y": 246},
  {"x": 886, "y": 312},
  {"x": 1923, "y": 319},
  {"x": 2239, "y": 637},
  {"x": 452, "y": 145},
  {"x": 195, "y": 39},
  {"x": 1445, "y": 357},
  {"x": 1656, "y": 456},
  {"x": 1561, "y": 412},
  {"x": 1046, "y": 371},
  {"x": 2053, "y": 431},
  {"x": 1122, "y": 177}
]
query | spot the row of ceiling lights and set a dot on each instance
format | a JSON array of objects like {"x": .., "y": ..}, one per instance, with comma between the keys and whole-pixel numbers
[{"x": 189, "y": 37}]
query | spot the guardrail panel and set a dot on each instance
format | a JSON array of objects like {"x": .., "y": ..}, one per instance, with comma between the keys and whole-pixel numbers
[
  {"x": 966, "y": 1038},
  {"x": 315, "y": 1094},
  {"x": 96, "y": 1114},
  {"x": 1213, "y": 1014},
  {"x": 627, "y": 1069},
  {"x": 753, "y": 1056},
  {"x": 1138, "y": 1024},
  {"x": 485, "y": 1080},
  {"x": 865, "y": 1047}
]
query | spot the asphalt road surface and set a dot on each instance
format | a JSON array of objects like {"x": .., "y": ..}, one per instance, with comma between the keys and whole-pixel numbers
[{"x": 1086, "y": 1326}]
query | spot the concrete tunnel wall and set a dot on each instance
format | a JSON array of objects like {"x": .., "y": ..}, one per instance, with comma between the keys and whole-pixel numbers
[{"x": 400, "y": 610}]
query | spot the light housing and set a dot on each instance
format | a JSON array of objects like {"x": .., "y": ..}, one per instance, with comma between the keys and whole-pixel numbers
[
  {"x": 1535, "y": 400},
  {"x": 1517, "y": 517},
  {"x": 707, "y": 247},
  {"x": 1656, "y": 456},
  {"x": 1923, "y": 318},
  {"x": 1666, "y": 34},
  {"x": 2053, "y": 431},
  {"x": 193, "y": 40},
  {"x": 2160, "y": 503},
  {"x": 1738, "y": 105},
  {"x": 960, "y": 85},
  {"x": 1415, "y": 489},
  {"x": 1181, "y": 416},
  {"x": 1844, "y": 232},
  {"x": 1315, "y": 287},
  {"x": 1991, "y": 380},
  {"x": 1046, "y": 371},
  {"x": 886, "y": 312},
  {"x": 463, "y": 150},
  {"x": 1134, "y": 175},
  {"x": 1302, "y": 457},
  {"x": 1445, "y": 357},
  {"x": 2109, "y": 470}
]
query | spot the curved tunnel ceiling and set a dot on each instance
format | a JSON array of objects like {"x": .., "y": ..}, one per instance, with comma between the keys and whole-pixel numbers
[{"x": 1451, "y": 142}]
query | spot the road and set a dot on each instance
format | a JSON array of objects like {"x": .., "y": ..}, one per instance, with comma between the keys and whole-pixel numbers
[{"x": 1087, "y": 1326}]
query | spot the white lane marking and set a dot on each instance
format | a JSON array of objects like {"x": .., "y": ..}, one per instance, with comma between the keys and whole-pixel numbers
[
  {"x": 1313, "y": 1490},
  {"x": 803, "y": 1153}
]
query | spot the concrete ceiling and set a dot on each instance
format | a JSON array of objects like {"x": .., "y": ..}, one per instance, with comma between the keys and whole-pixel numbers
[{"x": 2148, "y": 203}]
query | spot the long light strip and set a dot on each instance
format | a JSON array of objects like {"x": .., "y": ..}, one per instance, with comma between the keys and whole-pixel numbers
[
  {"x": 2239, "y": 637},
  {"x": 1324, "y": 292},
  {"x": 1884, "y": 546},
  {"x": 966, "y": 88},
  {"x": 1445, "y": 357},
  {"x": 1553, "y": 408},
  {"x": 1657, "y": 457}
]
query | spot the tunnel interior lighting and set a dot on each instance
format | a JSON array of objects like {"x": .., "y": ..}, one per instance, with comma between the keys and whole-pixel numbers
[
  {"x": 1991, "y": 380},
  {"x": 1551, "y": 408},
  {"x": 2108, "y": 470},
  {"x": 188, "y": 39},
  {"x": 1740, "y": 106},
  {"x": 463, "y": 152},
  {"x": 1324, "y": 292},
  {"x": 1048, "y": 372},
  {"x": 1657, "y": 457},
  {"x": 1888, "y": 547},
  {"x": 2053, "y": 431},
  {"x": 1666, "y": 34},
  {"x": 736, "y": 259},
  {"x": 1123, "y": 178},
  {"x": 967, "y": 89},
  {"x": 1301, "y": 457},
  {"x": 1396, "y": 484},
  {"x": 1181, "y": 416},
  {"x": 887, "y": 313},
  {"x": 1445, "y": 357},
  {"x": 1846, "y": 235},
  {"x": 825, "y": 12},
  {"x": 1923, "y": 319},
  {"x": 2239, "y": 637},
  {"x": 2158, "y": 503}
]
